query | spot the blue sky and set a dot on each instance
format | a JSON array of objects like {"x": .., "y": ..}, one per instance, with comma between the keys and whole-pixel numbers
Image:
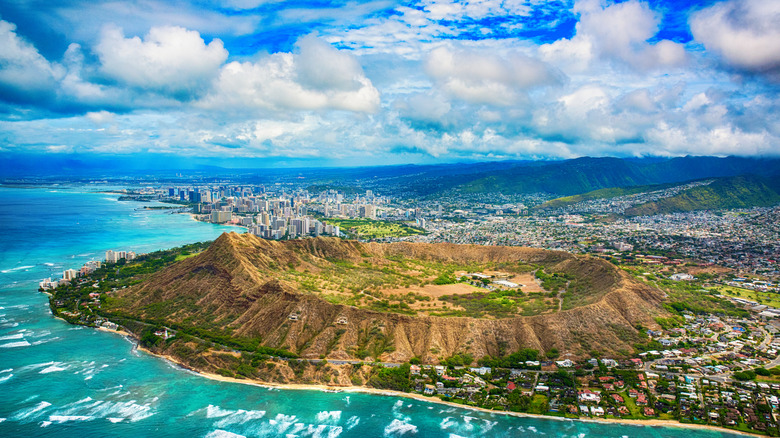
[{"x": 386, "y": 82}]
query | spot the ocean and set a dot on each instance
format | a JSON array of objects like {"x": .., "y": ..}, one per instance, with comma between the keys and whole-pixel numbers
[{"x": 61, "y": 380}]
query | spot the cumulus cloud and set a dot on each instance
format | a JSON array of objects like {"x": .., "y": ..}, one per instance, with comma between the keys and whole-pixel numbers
[
  {"x": 318, "y": 76},
  {"x": 25, "y": 75},
  {"x": 486, "y": 78},
  {"x": 169, "y": 60},
  {"x": 617, "y": 32},
  {"x": 746, "y": 33}
]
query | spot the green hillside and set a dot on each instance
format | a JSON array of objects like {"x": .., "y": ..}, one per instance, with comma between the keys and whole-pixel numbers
[
  {"x": 583, "y": 175},
  {"x": 725, "y": 193},
  {"x": 608, "y": 193}
]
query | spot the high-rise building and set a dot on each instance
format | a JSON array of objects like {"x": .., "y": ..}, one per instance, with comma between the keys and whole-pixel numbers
[{"x": 219, "y": 217}]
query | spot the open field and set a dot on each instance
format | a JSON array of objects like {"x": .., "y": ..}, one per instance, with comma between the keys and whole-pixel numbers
[
  {"x": 373, "y": 229},
  {"x": 768, "y": 298}
]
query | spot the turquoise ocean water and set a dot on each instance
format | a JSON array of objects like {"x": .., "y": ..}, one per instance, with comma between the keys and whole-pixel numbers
[{"x": 61, "y": 380}]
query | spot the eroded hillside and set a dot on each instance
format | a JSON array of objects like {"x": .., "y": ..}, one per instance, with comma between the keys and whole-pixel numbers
[{"x": 256, "y": 290}]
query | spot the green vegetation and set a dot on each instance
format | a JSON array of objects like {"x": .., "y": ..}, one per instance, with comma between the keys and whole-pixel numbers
[
  {"x": 724, "y": 193},
  {"x": 553, "y": 282},
  {"x": 608, "y": 193},
  {"x": 445, "y": 278},
  {"x": 499, "y": 304},
  {"x": 458, "y": 360},
  {"x": 396, "y": 379},
  {"x": 514, "y": 360},
  {"x": 114, "y": 276},
  {"x": 767, "y": 298},
  {"x": 689, "y": 296},
  {"x": 373, "y": 229}
]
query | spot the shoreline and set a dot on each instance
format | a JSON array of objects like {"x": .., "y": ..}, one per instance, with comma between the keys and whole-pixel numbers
[{"x": 422, "y": 398}]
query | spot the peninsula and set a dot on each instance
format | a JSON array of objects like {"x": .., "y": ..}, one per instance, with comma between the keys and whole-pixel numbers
[{"x": 501, "y": 328}]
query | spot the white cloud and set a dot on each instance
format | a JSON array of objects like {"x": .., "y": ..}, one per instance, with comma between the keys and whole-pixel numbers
[
  {"x": 616, "y": 32},
  {"x": 24, "y": 73},
  {"x": 170, "y": 60},
  {"x": 318, "y": 77},
  {"x": 485, "y": 78},
  {"x": 745, "y": 32},
  {"x": 100, "y": 117},
  {"x": 473, "y": 9}
]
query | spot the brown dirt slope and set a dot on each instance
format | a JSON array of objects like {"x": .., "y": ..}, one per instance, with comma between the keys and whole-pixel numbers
[{"x": 232, "y": 288}]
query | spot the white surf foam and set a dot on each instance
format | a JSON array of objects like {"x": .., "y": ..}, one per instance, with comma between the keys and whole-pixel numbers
[
  {"x": 16, "y": 344},
  {"x": 399, "y": 428},
  {"x": 54, "y": 368},
  {"x": 5, "y": 271},
  {"x": 6, "y": 377},
  {"x": 10, "y": 337},
  {"x": 447, "y": 423},
  {"x": 66, "y": 418},
  {"x": 328, "y": 417},
  {"x": 240, "y": 416},
  {"x": 353, "y": 421},
  {"x": 219, "y": 433},
  {"x": 29, "y": 413}
]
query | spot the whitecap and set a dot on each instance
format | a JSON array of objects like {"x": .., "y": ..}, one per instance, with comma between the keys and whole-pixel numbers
[
  {"x": 219, "y": 433},
  {"x": 282, "y": 422},
  {"x": 7, "y": 370},
  {"x": 129, "y": 410},
  {"x": 398, "y": 428},
  {"x": 36, "y": 366},
  {"x": 334, "y": 431},
  {"x": 328, "y": 417},
  {"x": 6, "y": 377},
  {"x": 452, "y": 435},
  {"x": 66, "y": 418},
  {"x": 44, "y": 341},
  {"x": 216, "y": 412},
  {"x": 27, "y": 413},
  {"x": 15, "y": 344},
  {"x": 5, "y": 271},
  {"x": 488, "y": 425},
  {"x": 10, "y": 337},
  {"x": 447, "y": 422},
  {"x": 353, "y": 421},
  {"x": 115, "y": 420},
  {"x": 240, "y": 416},
  {"x": 54, "y": 368},
  {"x": 45, "y": 423}
]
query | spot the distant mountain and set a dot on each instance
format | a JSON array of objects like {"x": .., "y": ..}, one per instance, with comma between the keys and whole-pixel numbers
[
  {"x": 584, "y": 175},
  {"x": 723, "y": 193}
]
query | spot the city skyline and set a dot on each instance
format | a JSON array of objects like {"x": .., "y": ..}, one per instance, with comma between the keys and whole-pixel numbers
[{"x": 344, "y": 83}]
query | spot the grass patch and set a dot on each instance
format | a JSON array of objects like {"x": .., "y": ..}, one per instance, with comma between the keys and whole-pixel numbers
[{"x": 373, "y": 229}]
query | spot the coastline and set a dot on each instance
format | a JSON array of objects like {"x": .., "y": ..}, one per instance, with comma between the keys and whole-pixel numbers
[{"x": 422, "y": 398}]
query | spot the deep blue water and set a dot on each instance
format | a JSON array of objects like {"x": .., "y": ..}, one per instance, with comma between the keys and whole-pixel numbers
[{"x": 61, "y": 380}]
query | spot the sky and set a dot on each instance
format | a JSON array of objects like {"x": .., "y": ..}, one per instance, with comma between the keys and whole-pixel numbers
[{"x": 387, "y": 82}]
